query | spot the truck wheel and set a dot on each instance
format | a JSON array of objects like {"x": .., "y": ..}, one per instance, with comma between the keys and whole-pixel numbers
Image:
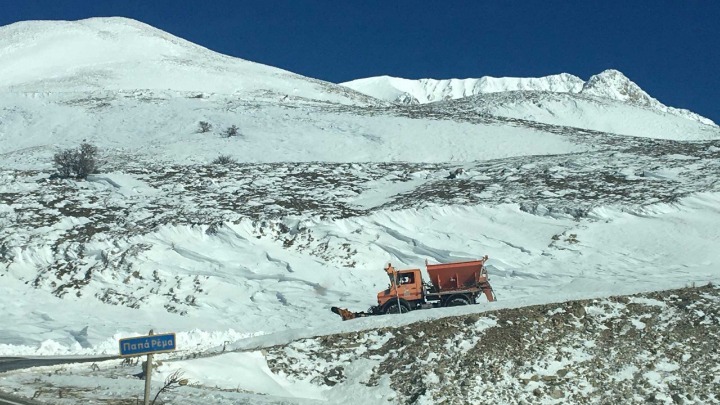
[
  {"x": 393, "y": 308},
  {"x": 456, "y": 301}
]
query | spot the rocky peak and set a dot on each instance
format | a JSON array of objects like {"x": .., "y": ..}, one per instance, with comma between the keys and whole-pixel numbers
[{"x": 614, "y": 85}]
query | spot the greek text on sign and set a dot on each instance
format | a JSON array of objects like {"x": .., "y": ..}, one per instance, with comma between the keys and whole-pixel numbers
[{"x": 139, "y": 345}]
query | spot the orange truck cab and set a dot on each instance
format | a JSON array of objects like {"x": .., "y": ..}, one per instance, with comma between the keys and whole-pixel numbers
[{"x": 450, "y": 284}]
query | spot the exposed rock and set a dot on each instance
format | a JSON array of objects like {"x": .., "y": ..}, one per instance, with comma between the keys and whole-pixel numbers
[
  {"x": 514, "y": 357},
  {"x": 557, "y": 393}
]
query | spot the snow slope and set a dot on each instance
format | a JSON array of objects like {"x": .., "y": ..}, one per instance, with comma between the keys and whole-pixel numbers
[
  {"x": 147, "y": 269},
  {"x": 582, "y": 111},
  {"x": 255, "y": 286},
  {"x": 124, "y": 54},
  {"x": 165, "y": 125}
]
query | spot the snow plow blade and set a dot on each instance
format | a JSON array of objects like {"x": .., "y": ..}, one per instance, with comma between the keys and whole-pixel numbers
[{"x": 346, "y": 314}]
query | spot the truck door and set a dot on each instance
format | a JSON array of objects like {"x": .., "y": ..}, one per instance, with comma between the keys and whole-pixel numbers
[{"x": 410, "y": 285}]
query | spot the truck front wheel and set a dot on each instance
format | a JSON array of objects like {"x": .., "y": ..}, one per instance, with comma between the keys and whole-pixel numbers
[{"x": 392, "y": 308}]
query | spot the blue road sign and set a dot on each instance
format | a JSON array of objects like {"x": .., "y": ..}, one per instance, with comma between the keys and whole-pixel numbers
[{"x": 139, "y": 345}]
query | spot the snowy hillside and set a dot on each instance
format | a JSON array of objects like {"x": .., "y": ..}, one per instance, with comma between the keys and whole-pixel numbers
[
  {"x": 324, "y": 186},
  {"x": 582, "y": 111},
  {"x": 123, "y": 54},
  {"x": 164, "y": 125},
  {"x": 608, "y": 85},
  {"x": 251, "y": 249}
]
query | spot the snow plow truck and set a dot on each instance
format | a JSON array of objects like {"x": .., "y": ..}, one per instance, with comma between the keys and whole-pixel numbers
[{"x": 450, "y": 284}]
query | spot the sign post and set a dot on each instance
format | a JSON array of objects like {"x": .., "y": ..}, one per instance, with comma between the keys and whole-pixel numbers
[
  {"x": 137, "y": 346},
  {"x": 148, "y": 375}
]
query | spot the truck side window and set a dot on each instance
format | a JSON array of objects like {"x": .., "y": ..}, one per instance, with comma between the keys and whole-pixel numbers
[{"x": 407, "y": 278}]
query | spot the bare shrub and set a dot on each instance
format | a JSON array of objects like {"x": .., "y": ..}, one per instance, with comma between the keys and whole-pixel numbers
[
  {"x": 64, "y": 162},
  {"x": 77, "y": 163},
  {"x": 86, "y": 162},
  {"x": 224, "y": 160},
  {"x": 172, "y": 381},
  {"x": 204, "y": 126},
  {"x": 231, "y": 131}
]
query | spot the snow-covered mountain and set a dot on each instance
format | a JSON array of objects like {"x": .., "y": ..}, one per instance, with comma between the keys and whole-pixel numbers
[
  {"x": 120, "y": 54},
  {"x": 123, "y": 84},
  {"x": 609, "y": 84},
  {"x": 327, "y": 186},
  {"x": 407, "y": 91},
  {"x": 612, "y": 84}
]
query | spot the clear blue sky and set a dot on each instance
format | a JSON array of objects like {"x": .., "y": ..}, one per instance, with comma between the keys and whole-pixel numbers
[{"x": 670, "y": 48}]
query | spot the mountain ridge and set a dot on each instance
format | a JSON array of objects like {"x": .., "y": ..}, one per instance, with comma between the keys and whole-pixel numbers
[
  {"x": 609, "y": 84},
  {"x": 117, "y": 53},
  {"x": 410, "y": 91}
]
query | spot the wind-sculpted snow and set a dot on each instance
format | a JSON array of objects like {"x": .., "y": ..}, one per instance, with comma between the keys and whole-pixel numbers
[{"x": 286, "y": 237}]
